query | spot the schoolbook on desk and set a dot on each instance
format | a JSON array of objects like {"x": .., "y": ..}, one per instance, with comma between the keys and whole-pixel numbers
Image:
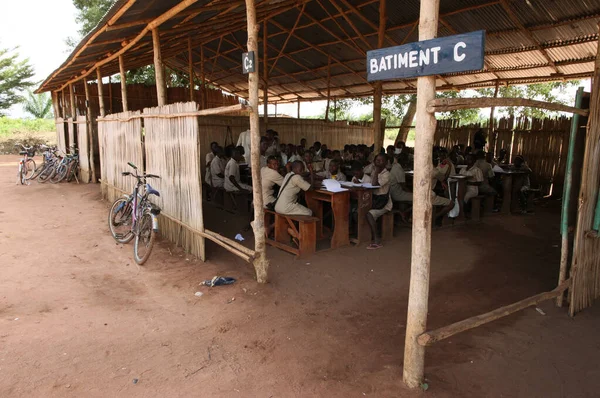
[
  {"x": 367, "y": 185},
  {"x": 333, "y": 186}
]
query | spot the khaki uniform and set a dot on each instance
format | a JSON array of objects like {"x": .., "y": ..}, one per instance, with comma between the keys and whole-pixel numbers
[
  {"x": 287, "y": 202},
  {"x": 338, "y": 177},
  {"x": 233, "y": 169},
  {"x": 488, "y": 172},
  {"x": 217, "y": 166},
  {"x": 269, "y": 177},
  {"x": 475, "y": 175},
  {"x": 383, "y": 181},
  {"x": 209, "y": 158},
  {"x": 397, "y": 178}
]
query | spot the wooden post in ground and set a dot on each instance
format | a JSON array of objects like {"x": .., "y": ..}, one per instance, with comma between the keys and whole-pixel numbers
[
  {"x": 407, "y": 122},
  {"x": 55, "y": 105},
  {"x": 298, "y": 107},
  {"x": 123, "y": 84},
  {"x": 110, "y": 96},
  {"x": 328, "y": 87},
  {"x": 377, "y": 133},
  {"x": 266, "y": 76},
  {"x": 64, "y": 104},
  {"x": 335, "y": 109},
  {"x": 73, "y": 128},
  {"x": 100, "y": 93},
  {"x": 191, "y": 69},
  {"x": 261, "y": 263},
  {"x": 492, "y": 135},
  {"x": 72, "y": 100},
  {"x": 414, "y": 353},
  {"x": 202, "y": 77},
  {"x": 159, "y": 70},
  {"x": 88, "y": 111}
]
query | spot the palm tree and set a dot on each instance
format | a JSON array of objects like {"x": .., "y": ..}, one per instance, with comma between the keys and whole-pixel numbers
[{"x": 38, "y": 105}]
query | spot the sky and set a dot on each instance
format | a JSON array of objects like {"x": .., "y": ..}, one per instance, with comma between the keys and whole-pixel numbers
[{"x": 39, "y": 28}]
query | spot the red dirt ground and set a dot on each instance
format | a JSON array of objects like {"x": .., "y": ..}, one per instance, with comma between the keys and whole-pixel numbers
[{"x": 79, "y": 318}]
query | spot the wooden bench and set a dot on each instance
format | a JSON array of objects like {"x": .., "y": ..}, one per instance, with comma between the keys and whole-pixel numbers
[
  {"x": 476, "y": 207},
  {"x": 387, "y": 226},
  {"x": 218, "y": 197},
  {"x": 294, "y": 234},
  {"x": 488, "y": 204},
  {"x": 531, "y": 193}
]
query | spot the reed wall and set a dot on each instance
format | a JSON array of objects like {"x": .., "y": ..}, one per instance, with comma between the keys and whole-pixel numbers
[{"x": 83, "y": 145}]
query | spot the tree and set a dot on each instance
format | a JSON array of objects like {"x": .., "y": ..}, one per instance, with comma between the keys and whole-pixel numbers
[
  {"x": 89, "y": 14},
  {"x": 39, "y": 106},
  {"x": 15, "y": 77}
]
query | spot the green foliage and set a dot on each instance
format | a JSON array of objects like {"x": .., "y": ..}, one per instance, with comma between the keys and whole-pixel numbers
[
  {"x": 9, "y": 126},
  {"x": 38, "y": 105},
  {"x": 89, "y": 13},
  {"x": 15, "y": 77}
]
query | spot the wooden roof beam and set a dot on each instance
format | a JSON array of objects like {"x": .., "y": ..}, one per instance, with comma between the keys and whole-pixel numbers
[
  {"x": 349, "y": 21},
  {"x": 356, "y": 46},
  {"x": 290, "y": 34}
]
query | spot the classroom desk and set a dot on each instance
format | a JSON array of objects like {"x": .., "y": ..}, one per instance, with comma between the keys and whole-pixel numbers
[
  {"x": 340, "y": 205},
  {"x": 512, "y": 181},
  {"x": 462, "y": 190},
  {"x": 364, "y": 197}
]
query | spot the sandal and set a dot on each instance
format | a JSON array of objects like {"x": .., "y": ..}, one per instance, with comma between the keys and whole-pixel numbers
[{"x": 374, "y": 246}]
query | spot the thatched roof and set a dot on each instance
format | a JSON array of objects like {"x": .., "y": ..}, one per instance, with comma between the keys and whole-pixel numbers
[{"x": 527, "y": 41}]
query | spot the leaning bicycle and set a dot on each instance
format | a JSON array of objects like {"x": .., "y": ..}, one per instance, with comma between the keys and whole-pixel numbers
[
  {"x": 135, "y": 217},
  {"x": 26, "y": 164}
]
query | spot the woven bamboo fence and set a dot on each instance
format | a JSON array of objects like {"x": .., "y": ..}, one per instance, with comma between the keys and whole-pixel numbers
[
  {"x": 61, "y": 139},
  {"x": 173, "y": 153},
  {"x": 120, "y": 142},
  {"x": 83, "y": 146},
  {"x": 504, "y": 135},
  {"x": 72, "y": 132}
]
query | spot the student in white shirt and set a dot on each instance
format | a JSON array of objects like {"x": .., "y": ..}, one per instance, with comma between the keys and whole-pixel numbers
[
  {"x": 244, "y": 140},
  {"x": 270, "y": 177},
  {"x": 334, "y": 172},
  {"x": 488, "y": 172},
  {"x": 360, "y": 177},
  {"x": 217, "y": 168},
  {"x": 475, "y": 178},
  {"x": 398, "y": 189},
  {"x": 381, "y": 177},
  {"x": 232, "y": 174},
  {"x": 293, "y": 183},
  {"x": 209, "y": 158}
]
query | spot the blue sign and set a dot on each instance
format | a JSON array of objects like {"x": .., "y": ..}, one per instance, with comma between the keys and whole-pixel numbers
[{"x": 458, "y": 53}]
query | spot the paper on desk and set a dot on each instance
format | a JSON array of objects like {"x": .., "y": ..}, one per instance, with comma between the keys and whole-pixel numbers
[
  {"x": 369, "y": 185},
  {"x": 497, "y": 169},
  {"x": 333, "y": 186}
]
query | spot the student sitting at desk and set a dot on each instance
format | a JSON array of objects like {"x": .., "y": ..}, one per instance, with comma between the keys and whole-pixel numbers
[
  {"x": 398, "y": 189},
  {"x": 209, "y": 158},
  {"x": 521, "y": 165},
  {"x": 488, "y": 173},
  {"x": 232, "y": 174},
  {"x": 382, "y": 202},
  {"x": 264, "y": 146},
  {"x": 293, "y": 183},
  {"x": 475, "y": 178},
  {"x": 270, "y": 177},
  {"x": 443, "y": 170},
  {"x": 217, "y": 168},
  {"x": 359, "y": 174},
  {"x": 334, "y": 172}
]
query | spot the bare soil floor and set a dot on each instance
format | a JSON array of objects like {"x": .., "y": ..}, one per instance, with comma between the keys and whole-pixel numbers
[{"x": 79, "y": 318}]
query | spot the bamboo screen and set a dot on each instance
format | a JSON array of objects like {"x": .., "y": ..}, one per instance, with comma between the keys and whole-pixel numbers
[
  {"x": 120, "y": 142},
  {"x": 504, "y": 135},
  {"x": 173, "y": 153},
  {"x": 82, "y": 145},
  {"x": 71, "y": 129},
  {"x": 61, "y": 139}
]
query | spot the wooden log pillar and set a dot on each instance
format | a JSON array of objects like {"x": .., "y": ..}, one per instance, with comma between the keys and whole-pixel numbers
[
  {"x": 414, "y": 353},
  {"x": 123, "y": 84},
  {"x": 72, "y": 101},
  {"x": 202, "y": 77},
  {"x": 407, "y": 122},
  {"x": 378, "y": 93},
  {"x": 63, "y": 104},
  {"x": 328, "y": 87},
  {"x": 191, "y": 69},
  {"x": 100, "y": 93},
  {"x": 159, "y": 70},
  {"x": 261, "y": 263},
  {"x": 298, "y": 107},
  {"x": 266, "y": 75},
  {"x": 72, "y": 133},
  {"x": 55, "y": 105},
  {"x": 492, "y": 133},
  {"x": 110, "y": 96},
  {"x": 90, "y": 124},
  {"x": 335, "y": 109}
]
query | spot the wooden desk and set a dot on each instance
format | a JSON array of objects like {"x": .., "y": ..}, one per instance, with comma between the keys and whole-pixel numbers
[
  {"x": 340, "y": 205},
  {"x": 462, "y": 190},
  {"x": 364, "y": 197},
  {"x": 512, "y": 181}
]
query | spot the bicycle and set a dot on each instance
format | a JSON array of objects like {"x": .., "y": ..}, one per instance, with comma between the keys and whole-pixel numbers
[
  {"x": 26, "y": 165},
  {"x": 66, "y": 167},
  {"x": 134, "y": 216},
  {"x": 47, "y": 156},
  {"x": 51, "y": 162}
]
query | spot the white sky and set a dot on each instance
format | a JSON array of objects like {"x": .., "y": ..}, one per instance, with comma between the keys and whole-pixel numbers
[{"x": 39, "y": 28}]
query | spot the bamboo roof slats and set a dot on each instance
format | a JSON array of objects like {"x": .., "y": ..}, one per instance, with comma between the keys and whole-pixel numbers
[{"x": 173, "y": 151}]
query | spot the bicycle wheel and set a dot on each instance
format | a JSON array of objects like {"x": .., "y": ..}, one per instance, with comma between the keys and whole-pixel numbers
[
  {"x": 29, "y": 169},
  {"x": 47, "y": 173},
  {"x": 38, "y": 171},
  {"x": 20, "y": 174},
  {"x": 61, "y": 173},
  {"x": 119, "y": 221},
  {"x": 73, "y": 170},
  {"x": 144, "y": 239}
]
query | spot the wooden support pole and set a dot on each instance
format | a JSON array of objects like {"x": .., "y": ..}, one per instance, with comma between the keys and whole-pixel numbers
[
  {"x": 191, "y": 69},
  {"x": 159, "y": 70},
  {"x": 203, "y": 78},
  {"x": 335, "y": 109},
  {"x": 63, "y": 104},
  {"x": 265, "y": 75},
  {"x": 377, "y": 96},
  {"x": 452, "y": 104},
  {"x": 90, "y": 124},
  {"x": 261, "y": 263},
  {"x": 72, "y": 101},
  {"x": 418, "y": 296},
  {"x": 407, "y": 121},
  {"x": 298, "y": 107},
  {"x": 328, "y": 88},
  {"x": 428, "y": 338},
  {"x": 100, "y": 92},
  {"x": 110, "y": 96},
  {"x": 492, "y": 133},
  {"x": 55, "y": 105},
  {"x": 123, "y": 84}
]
